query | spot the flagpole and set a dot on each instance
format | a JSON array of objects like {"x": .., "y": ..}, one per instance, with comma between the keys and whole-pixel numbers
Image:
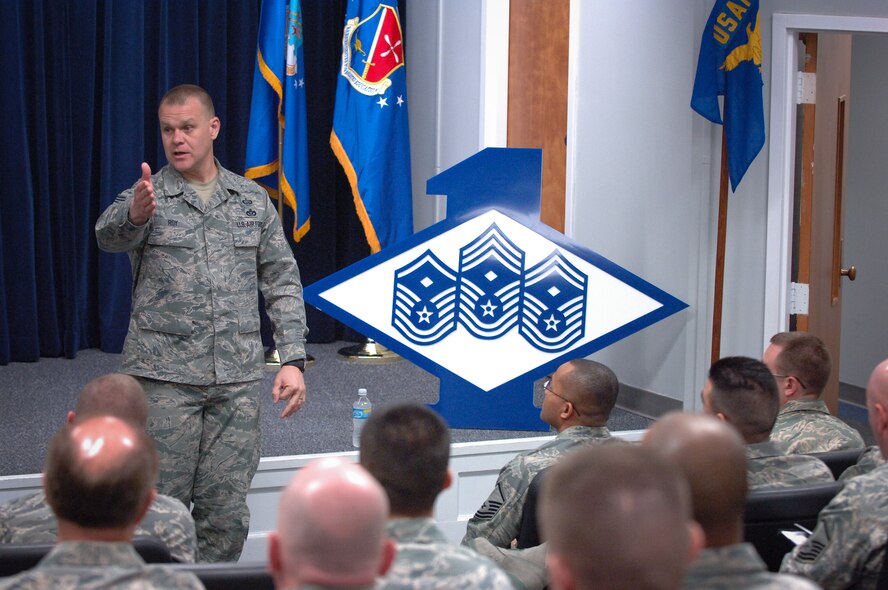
[{"x": 720, "y": 252}]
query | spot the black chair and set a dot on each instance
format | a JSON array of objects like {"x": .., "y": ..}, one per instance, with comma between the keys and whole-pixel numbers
[
  {"x": 770, "y": 511},
  {"x": 18, "y": 557},
  {"x": 839, "y": 461},
  {"x": 528, "y": 533},
  {"x": 230, "y": 576}
]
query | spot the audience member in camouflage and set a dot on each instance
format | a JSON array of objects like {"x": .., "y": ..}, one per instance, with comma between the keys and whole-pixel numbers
[
  {"x": 768, "y": 466},
  {"x": 801, "y": 365},
  {"x": 427, "y": 560},
  {"x": 739, "y": 567},
  {"x": 85, "y": 565},
  {"x": 617, "y": 516},
  {"x": 711, "y": 455},
  {"x": 847, "y": 547},
  {"x": 28, "y": 519},
  {"x": 742, "y": 392},
  {"x": 331, "y": 529},
  {"x": 577, "y": 403},
  {"x": 406, "y": 447},
  {"x": 99, "y": 481},
  {"x": 203, "y": 242},
  {"x": 868, "y": 461}
]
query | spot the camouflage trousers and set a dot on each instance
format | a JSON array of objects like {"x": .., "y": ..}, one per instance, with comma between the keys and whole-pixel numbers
[{"x": 207, "y": 438}]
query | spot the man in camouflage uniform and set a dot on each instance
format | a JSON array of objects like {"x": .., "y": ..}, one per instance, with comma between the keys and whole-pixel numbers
[
  {"x": 710, "y": 454},
  {"x": 202, "y": 243},
  {"x": 577, "y": 402},
  {"x": 99, "y": 481},
  {"x": 407, "y": 448},
  {"x": 29, "y": 519},
  {"x": 847, "y": 546},
  {"x": 801, "y": 364},
  {"x": 617, "y": 516},
  {"x": 742, "y": 392},
  {"x": 331, "y": 529}
]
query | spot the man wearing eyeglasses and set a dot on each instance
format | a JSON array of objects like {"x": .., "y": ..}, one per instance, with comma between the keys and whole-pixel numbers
[
  {"x": 577, "y": 403},
  {"x": 801, "y": 364}
]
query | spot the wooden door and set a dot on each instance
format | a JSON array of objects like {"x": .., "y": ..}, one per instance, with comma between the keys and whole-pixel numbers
[
  {"x": 820, "y": 189},
  {"x": 538, "y": 50}
]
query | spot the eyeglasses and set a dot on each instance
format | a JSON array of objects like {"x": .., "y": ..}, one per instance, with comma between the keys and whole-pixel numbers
[
  {"x": 546, "y": 386},
  {"x": 802, "y": 383}
]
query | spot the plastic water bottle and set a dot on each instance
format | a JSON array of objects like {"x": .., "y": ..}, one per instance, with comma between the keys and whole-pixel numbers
[{"x": 360, "y": 412}]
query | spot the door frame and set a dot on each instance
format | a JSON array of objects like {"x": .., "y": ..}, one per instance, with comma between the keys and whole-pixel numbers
[{"x": 781, "y": 150}]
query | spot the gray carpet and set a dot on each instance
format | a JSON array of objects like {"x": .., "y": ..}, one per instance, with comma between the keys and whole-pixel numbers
[{"x": 35, "y": 397}]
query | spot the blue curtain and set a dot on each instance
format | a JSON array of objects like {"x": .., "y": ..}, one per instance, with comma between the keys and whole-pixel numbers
[{"x": 81, "y": 81}]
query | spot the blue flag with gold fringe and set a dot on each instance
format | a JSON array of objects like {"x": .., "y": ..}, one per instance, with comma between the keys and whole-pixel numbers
[
  {"x": 370, "y": 133},
  {"x": 277, "y": 143},
  {"x": 730, "y": 65}
]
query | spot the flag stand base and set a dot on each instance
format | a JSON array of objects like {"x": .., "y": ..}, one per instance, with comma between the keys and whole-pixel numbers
[{"x": 369, "y": 353}]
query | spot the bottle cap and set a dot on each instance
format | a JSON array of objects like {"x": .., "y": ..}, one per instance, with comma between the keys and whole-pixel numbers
[{"x": 362, "y": 391}]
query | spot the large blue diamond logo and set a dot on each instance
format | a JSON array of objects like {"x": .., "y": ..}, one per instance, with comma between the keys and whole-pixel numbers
[{"x": 490, "y": 299}]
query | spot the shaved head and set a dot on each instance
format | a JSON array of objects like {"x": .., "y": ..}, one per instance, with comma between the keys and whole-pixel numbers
[
  {"x": 331, "y": 526},
  {"x": 877, "y": 405},
  {"x": 712, "y": 457}
]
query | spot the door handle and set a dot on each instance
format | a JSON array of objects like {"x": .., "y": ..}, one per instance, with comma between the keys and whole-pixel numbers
[{"x": 850, "y": 272}]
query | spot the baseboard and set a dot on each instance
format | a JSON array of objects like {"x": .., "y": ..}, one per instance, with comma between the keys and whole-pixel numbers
[{"x": 646, "y": 403}]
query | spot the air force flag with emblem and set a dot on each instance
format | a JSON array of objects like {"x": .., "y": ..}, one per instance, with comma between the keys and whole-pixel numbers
[{"x": 490, "y": 299}]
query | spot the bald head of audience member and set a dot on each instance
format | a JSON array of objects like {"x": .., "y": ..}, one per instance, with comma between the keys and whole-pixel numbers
[
  {"x": 742, "y": 392},
  {"x": 115, "y": 395},
  {"x": 99, "y": 479},
  {"x": 406, "y": 447},
  {"x": 800, "y": 363},
  {"x": 877, "y": 405},
  {"x": 331, "y": 528},
  {"x": 617, "y": 517},
  {"x": 580, "y": 393},
  {"x": 712, "y": 457}
]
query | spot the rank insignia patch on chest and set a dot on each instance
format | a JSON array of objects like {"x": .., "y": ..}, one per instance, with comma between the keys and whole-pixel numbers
[{"x": 490, "y": 299}]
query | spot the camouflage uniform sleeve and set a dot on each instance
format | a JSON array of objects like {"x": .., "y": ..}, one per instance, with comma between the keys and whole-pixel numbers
[
  {"x": 114, "y": 232},
  {"x": 281, "y": 287},
  {"x": 171, "y": 522},
  {"x": 831, "y": 555},
  {"x": 525, "y": 568},
  {"x": 4, "y": 524},
  {"x": 499, "y": 517}
]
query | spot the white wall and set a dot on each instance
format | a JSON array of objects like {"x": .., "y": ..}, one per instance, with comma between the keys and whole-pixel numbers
[
  {"x": 864, "y": 306},
  {"x": 644, "y": 192}
]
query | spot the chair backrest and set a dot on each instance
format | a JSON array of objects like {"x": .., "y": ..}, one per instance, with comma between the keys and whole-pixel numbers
[
  {"x": 839, "y": 461},
  {"x": 18, "y": 557},
  {"x": 528, "y": 532},
  {"x": 768, "y": 512},
  {"x": 230, "y": 576}
]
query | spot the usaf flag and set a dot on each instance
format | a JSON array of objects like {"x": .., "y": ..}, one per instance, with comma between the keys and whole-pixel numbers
[
  {"x": 277, "y": 111},
  {"x": 730, "y": 65},
  {"x": 370, "y": 134}
]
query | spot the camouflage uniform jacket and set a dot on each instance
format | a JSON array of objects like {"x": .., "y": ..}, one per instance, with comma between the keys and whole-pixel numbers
[
  {"x": 197, "y": 270},
  {"x": 847, "y": 546},
  {"x": 28, "y": 519},
  {"x": 868, "y": 460},
  {"x": 93, "y": 566},
  {"x": 499, "y": 518},
  {"x": 768, "y": 466},
  {"x": 738, "y": 567},
  {"x": 806, "y": 426},
  {"x": 427, "y": 560}
]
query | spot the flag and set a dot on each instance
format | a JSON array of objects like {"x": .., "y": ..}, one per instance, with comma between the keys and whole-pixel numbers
[
  {"x": 370, "y": 134},
  {"x": 730, "y": 65},
  {"x": 277, "y": 112}
]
